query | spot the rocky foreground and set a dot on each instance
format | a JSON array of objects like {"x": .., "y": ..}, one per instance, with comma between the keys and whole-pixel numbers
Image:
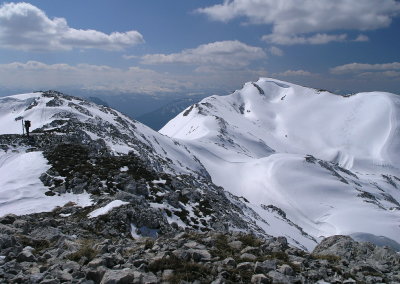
[{"x": 44, "y": 248}]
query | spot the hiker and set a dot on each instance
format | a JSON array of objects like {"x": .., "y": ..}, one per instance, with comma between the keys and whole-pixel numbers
[{"x": 27, "y": 124}]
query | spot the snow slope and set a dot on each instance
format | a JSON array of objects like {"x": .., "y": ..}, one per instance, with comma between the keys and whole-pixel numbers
[
  {"x": 330, "y": 162},
  {"x": 22, "y": 192}
]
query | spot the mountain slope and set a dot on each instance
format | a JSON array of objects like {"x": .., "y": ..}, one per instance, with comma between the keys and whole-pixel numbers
[
  {"x": 54, "y": 112},
  {"x": 83, "y": 154},
  {"x": 330, "y": 163}
]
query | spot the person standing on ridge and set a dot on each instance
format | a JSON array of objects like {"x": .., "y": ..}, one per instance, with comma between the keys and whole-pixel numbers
[{"x": 27, "y": 124}]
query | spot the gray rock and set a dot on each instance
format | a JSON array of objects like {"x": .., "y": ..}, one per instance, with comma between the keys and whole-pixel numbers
[
  {"x": 182, "y": 254},
  {"x": 349, "y": 281},
  {"x": 95, "y": 274},
  {"x": 237, "y": 245},
  {"x": 64, "y": 276},
  {"x": 26, "y": 255},
  {"x": 283, "y": 241},
  {"x": 8, "y": 219},
  {"x": 193, "y": 245},
  {"x": 265, "y": 266},
  {"x": 248, "y": 256},
  {"x": 8, "y": 230},
  {"x": 124, "y": 276},
  {"x": 71, "y": 266},
  {"x": 6, "y": 241},
  {"x": 356, "y": 254},
  {"x": 286, "y": 269},
  {"x": 2, "y": 259},
  {"x": 200, "y": 255},
  {"x": 219, "y": 280},
  {"x": 94, "y": 263},
  {"x": 50, "y": 281},
  {"x": 229, "y": 262},
  {"x": 245, "y": 266},
  {"x": 259, "y": 279},
  {"x": 252, "y": 250},
  {"x": 278, "y": 277},
  {"x": 149, "y": 278}
]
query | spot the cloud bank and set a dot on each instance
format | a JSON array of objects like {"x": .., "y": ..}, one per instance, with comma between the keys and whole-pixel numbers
[
  {"x": 362, "y": 67},
  {"x": 231, "y": 54},
  {"x": 307, "y": 21},
  {"x": 34, "y": 75},
  {"x": 388, "y": 71},
  {"x": 26, "y": 27}
]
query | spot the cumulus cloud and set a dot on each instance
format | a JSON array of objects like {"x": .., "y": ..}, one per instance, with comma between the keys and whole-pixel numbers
[
  {"x": 363, "y": 67},
  {"x": 221, "y": 53},
  {"x": 291, "y": 73},
  {"x": 26, "y": 27},
  {"x": 275, "y": 51},
  {"x": 291, "y": 20}
]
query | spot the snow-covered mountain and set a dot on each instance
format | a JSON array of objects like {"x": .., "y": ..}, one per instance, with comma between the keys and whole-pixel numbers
[
  {"x": 292, "y": 161},
  {"x": 328, "y": 163},
  {"x": 92, "y": 156},
  {"x": 54, "y": 112}
]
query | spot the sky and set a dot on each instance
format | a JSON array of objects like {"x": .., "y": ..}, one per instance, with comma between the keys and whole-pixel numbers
[{"x": 198, "y": 46}]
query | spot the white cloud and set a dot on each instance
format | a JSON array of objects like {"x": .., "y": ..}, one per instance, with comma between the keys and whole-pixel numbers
[
  {"x": 33, "y": 75},
  {"x": 363, "y": 67},
  {"x": 299, "y": 20},
  {"x": 361, "y": 38},
  {"x": 315, "y": 39},
  {"x": 232, "y": 54},
  {"x": 380, "y": 74},
  {"x": 128, "y": 57},
  {"x": 276, "y": 51},
  {"x": 38, "y": 75},
  {"x": 290, "y": 73},
  {"x": 26, "y": 27}
]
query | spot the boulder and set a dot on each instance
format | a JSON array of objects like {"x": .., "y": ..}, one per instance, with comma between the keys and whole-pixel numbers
[
  {"x": 260, "y": 279},
  {"x": 26, "y": 255},
  {"x": 124, "y": 276}
]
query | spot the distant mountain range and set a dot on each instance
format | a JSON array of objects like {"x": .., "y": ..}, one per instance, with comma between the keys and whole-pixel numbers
[{"x": 158, "y": 118}]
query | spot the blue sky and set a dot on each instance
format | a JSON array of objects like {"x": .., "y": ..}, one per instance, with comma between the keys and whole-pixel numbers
[{"x": 192, "y": 46}]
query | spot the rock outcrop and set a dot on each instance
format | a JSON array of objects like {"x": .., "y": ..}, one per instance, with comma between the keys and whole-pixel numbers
[{"x": 45, "y": 248}]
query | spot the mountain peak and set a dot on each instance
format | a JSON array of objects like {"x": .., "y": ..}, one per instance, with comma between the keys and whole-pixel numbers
[{"x": 315, "y": 155}]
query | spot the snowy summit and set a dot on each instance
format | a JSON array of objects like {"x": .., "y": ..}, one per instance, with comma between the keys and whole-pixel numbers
[{"x": 329, "y": 162}]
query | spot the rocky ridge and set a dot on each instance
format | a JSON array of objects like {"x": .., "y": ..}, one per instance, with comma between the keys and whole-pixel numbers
[{"x": 161, "y": 201}]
